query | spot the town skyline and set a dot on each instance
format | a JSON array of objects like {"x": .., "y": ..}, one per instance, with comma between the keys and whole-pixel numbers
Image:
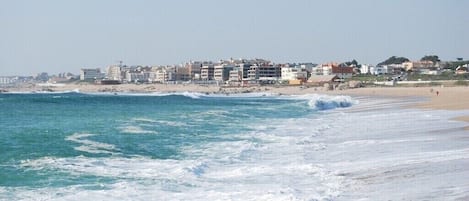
[
  {"x": 121, "y": 63},
  {"x": 54, "y": 36}
]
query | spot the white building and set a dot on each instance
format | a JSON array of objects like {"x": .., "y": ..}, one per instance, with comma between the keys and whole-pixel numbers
[
  {"x": 91, "y": 74},
  {"x": 138, "y": 76},
  {"x": 114, "y": 73},
  {"x": 307, "y": 66},
  {"x": 322, "y": 70},
  {"x": 7, "y": 80},
  {"x": 164, "y": 75},
  {"x": 365, "y": 69},
  {"x": 377, "y": 70},
  {"x": 291, "y": 73}
]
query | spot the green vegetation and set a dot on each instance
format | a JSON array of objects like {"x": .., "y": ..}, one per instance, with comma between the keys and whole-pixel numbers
[
  {"x": 394, "y": 60},
  {"x": 432, "y": 58},
  {"x": 448, "y": 75},
  {"x": 454, "y": 64},
  {"x": 461, "y": 83},
  {"x": 368, "y": 78},
  {"x": 353, "y": 62}
]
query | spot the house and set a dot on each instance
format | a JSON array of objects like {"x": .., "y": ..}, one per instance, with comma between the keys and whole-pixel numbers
[
  {"x": 420, "y": 66},
  {"x": 333, "y": 68},
  {"x": 365, "y": 69},
  {"x": 342, "y": 72},
  {"x": 461, "y": 70},
  {"x": 293, "y": 73},
  {"x": 378, "y": 70}
]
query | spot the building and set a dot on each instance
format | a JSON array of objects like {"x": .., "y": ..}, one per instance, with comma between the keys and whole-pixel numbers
[
  {"x": 342, "y": 72},
  {"x": 236, "y": 75},
  {"x": 194, "y": 69},
  {"x": 114, "y": 73},
  {"x": 324, "y": 69},
  {"x": 365, "y": 69},
  {"x": 461, "y": 70},
  {"x": 269, "y": 72},
  {"x": 415, "y": 66},
  {"x": 183, "y": 73},
  {"x": 293, "y": 73},
  {"x": 8, "y": 80},
  {"x": 253, "y": 72},
  {"x": 134, "y": 76},
  {"x": 307, "y": 66},
  {"x": 334, "y": 69},
  {"x": 222, "y": 72},
  {"x": 207, "y": 71},
  {"x": 165, "y": 74},
  {"x": 42, "y": 77},
  {"x": 91, "y": 74}
]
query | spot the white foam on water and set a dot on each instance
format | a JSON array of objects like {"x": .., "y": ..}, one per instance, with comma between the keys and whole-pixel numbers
[
  {"x": 42, "y": 92},
  {"x": 136, "y": 130},
  {"x": 159, "y": 122},
  {"x": 91, "y": 146},
  {"x": 193, "y": 95},
  {"x": 145, "y": 120},
  {"x": 325, "y": 102},
  {"x": 144, "y": 178},
  {"x": 386, "y": 154}
]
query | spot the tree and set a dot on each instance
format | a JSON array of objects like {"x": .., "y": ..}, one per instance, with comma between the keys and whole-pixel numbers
[
  {"x": 394, "y": 60},
  {"x": 350, "y": 63},
  {"x": 432, "y": 58}
]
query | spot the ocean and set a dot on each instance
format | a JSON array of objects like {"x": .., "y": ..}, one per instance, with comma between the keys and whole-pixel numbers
[{"x": 191, "y": 146}]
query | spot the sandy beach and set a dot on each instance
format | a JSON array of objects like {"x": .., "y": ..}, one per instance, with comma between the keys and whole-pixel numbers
[{"x": 448, "y": 98}]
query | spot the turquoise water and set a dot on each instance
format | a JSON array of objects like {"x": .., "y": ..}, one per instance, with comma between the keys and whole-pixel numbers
[
  {"x": 190, "y": 146},
  {"x": 70, "y": 125}
]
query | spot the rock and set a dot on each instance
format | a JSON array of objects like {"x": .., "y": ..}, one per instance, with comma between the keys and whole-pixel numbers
[{"x": 355, "y": 84}]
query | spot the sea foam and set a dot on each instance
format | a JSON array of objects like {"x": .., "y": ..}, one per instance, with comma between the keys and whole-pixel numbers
[
  {"x": 89, "y": 145},
  {"x": 324, "y": 102}
]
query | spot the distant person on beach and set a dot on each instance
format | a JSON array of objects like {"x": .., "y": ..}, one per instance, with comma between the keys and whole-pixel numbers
[{"x": 437, "y": 93}]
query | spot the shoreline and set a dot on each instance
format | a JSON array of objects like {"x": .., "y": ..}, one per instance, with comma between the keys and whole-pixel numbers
[{"x": 448, "y": 98}]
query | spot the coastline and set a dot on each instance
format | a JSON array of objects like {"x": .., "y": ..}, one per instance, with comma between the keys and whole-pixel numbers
[{"x": 449, "y": 98}]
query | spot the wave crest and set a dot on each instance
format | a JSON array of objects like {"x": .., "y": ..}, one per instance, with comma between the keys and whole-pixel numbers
[{"x": 326, "y": 102}]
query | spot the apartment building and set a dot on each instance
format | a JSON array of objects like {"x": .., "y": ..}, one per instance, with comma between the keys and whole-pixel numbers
[{"x": 91, "y": 74}]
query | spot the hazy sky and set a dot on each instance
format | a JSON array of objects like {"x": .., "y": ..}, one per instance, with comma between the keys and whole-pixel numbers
[{"x": 63, "y": 36}]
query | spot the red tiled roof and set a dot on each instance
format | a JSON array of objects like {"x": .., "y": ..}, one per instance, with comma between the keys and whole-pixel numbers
[{"x": 342, "y": 69}]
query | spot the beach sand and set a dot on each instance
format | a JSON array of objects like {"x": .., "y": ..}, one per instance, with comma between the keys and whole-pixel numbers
[{"x": 448, "y": 98}]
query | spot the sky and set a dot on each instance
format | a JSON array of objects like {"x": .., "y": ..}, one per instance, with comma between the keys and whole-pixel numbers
[{"x": 57, "y": 36}]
